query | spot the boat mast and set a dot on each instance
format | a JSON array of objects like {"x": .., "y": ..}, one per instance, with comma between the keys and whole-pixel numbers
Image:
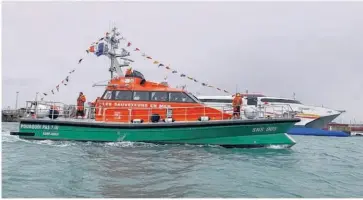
[{"x": 112, "y": 51}]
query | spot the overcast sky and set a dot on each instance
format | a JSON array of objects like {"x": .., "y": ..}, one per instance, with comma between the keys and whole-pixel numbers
[{"x": 312, "y": 49}]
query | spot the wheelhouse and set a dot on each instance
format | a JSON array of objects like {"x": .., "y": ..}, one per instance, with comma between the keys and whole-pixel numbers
[
  {"x": 150, "y": 96},
  {"x": 132, "y": 97}
]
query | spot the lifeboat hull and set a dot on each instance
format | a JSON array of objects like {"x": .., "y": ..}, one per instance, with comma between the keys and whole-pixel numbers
[{"x": 227, "y": 133}]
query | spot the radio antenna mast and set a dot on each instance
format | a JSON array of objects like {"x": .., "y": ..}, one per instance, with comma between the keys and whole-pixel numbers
[{"x": 114, "y": 53}]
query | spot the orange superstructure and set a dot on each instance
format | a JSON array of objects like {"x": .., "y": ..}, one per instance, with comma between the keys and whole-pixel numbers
[{"x": 133, "y": 97}]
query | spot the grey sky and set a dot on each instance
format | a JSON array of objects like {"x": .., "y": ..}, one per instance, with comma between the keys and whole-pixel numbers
[{"x": 312, "y": 49}]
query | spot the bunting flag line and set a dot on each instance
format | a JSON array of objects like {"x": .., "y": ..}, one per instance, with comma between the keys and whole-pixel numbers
[
  {"x": 173, "y": 71},
  {"x": 66, "y": 80},
  {"x": 100, "y": 47}
]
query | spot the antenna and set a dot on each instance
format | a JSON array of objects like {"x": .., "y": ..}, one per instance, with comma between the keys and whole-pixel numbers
[{"x": 111, "y": 50}]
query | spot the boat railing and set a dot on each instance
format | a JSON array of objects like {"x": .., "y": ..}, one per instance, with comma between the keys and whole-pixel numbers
[
  {"x": 278, "y": 110},
  {"x": 186, "y": 113},
  {"x": 40, "y": 109},
  {"x": 55, "y": 110}
]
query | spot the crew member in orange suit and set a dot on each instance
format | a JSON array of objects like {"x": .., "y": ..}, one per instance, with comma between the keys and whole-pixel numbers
[
  {"x": 128, "y": 72},
  {"x": 236, "y": 103},
  {"x": 80, "y": 105}
]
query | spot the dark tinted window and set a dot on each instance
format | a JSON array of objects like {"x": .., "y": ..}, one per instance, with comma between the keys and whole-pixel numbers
[
  {"x": 180, "y": 97},
  {"x": 141, "y": 96},
  {"x": 252, "y": 101},
  {"x": 159, "y": 96},
  {"x": 123, "y": 95},
  {"x": 216, "y": 100},
  {"x": 280, "y": 101},
  {"x": 107, "y": 95}
]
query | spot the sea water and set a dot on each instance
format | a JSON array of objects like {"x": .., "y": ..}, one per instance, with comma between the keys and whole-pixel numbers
[{"x": 314, "y": 167}]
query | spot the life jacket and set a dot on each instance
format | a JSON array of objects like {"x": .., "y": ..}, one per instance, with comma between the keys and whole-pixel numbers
[
  {"x": 237, "y": 101},
  {"x": 80, "y": 102}
]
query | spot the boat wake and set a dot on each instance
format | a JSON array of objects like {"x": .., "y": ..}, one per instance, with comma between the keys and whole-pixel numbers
[
  {"x": 7, "y": 138},
  {"x": 284, "y": 146}
]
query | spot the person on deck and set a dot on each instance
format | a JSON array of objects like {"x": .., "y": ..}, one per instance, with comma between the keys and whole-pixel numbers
[
  {"x": 128, "y": 72},
  {"x": 80, "y": 105},
  {"x": 236, "y": 103}
]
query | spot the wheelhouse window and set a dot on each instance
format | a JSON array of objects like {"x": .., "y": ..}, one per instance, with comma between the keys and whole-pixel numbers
[
  {"x": 267, "y": 100},
  {"x": 141, "y": 96},
  {"x": 123, "y": 95},
  {"x": 107, "y": 95},
  {"x": 180, "y": 97},
  {"x": 159, "y": 96}
]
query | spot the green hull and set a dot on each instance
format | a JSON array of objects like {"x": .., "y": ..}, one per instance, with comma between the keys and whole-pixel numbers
[{"x": 228, "y": 133}]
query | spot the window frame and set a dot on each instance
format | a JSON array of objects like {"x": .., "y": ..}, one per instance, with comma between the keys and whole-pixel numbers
[
  {"x": 287, "y": 101},
  {"x": 114, "y": 95},
  {"x": 148, "y": 94},
  {"x": 183, "y": 93},
  {"x": 167, "y": 96}
]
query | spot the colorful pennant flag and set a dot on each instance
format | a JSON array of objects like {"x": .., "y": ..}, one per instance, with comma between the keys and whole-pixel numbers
[{"x": 101, "y": 48}]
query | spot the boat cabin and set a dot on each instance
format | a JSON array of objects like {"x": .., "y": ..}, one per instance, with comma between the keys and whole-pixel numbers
[{"x": 132, "y": 97}]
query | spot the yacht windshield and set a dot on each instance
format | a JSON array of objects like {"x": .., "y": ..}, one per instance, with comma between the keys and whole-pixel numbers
[
  {"x": 193, "y": 97},
  {"x": 289, "y": 101}
]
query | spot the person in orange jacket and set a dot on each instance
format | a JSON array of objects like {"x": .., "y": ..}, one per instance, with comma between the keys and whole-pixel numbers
[
  {"x": 236, "y": 103},
  {"x": 80, "y": 105},
  {"x": 128, "y": 72}
]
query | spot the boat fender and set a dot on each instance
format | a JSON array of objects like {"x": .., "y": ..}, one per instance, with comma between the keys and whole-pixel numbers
[
  {"x": 53, "y": 114},
  {"x": 204, "y": 118},
  {"x": 169, "y": 119},
  {"x": 137, "y": 121},
  {"x": 155, "y": 118}
]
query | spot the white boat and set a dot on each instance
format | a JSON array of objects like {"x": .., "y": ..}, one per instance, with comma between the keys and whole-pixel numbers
[{"x": 311, "y": 116}]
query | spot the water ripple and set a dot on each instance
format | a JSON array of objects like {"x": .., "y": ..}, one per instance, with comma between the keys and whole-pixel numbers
[{"x": 315, "y": 167}]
